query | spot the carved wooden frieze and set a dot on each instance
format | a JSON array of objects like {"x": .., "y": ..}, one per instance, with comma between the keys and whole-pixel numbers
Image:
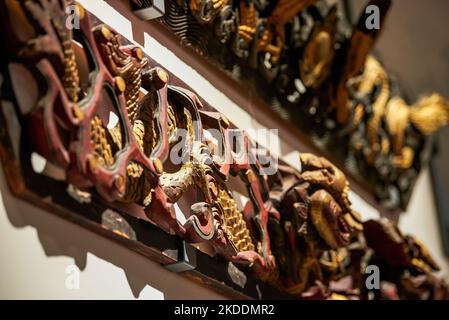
[
  {"x": 117, "y": 133},
  {"x": 304, "y": 61}
]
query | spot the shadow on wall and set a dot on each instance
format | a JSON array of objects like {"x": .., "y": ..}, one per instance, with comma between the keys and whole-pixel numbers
[{"x": 59, "y": 237}]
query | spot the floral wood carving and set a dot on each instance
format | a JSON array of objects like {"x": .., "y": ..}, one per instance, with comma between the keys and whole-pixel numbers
[{"x": 107, "y": 120}]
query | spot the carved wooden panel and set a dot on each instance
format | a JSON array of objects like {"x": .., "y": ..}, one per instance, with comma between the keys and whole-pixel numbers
[
  {"x": 126, "y": 145},
  {"x": 304, "y": 60}
]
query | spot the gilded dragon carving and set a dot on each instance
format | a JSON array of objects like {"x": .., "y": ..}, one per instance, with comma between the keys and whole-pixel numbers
[
  {"x": 427, "y": 116},
  {"x": 315, "y": 224}
]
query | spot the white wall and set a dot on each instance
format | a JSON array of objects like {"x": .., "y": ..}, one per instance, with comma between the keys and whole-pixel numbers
[{"x": 37, "y": 247}]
